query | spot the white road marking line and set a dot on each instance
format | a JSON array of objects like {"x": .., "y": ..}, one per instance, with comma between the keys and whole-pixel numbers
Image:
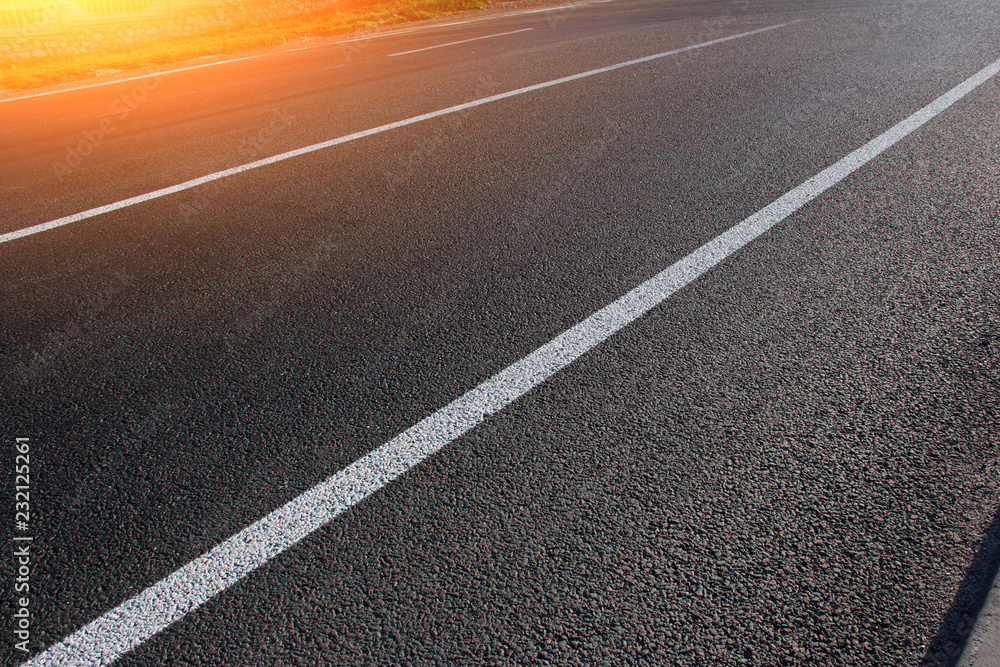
[
  {"x": 521, "y": 13},
  {"x": 131, "y": 78},
  {"x": 478, "y": 20},
  {"x": 133, "y": 622},
  {"x": 409, "y": 31},
  {"x": 187, "y": 185},
  {"x": 153, "y": 74},
  {"x": 461, "y": 41},
  {"x": 301, "y": 48}
]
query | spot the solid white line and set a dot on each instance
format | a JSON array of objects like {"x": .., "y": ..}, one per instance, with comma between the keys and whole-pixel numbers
[
  {"x": 131, "y": 78},
  {"x": 187, "y": 185},
  {"x": 478, "y": 20},
  {"x": 461, "y": 41},
  {"x": 522, "y": 13},
  {"x": 153, "y": 74},
  {"x": 301, "y": 48},
  {"x": 136, "y": 620}
]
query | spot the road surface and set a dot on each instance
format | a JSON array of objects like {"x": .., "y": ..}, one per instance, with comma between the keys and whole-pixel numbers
[{"x": 789, "y": 457}]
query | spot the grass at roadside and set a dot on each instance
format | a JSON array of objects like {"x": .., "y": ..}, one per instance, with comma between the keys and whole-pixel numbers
[{"x": 25, "y": 74}]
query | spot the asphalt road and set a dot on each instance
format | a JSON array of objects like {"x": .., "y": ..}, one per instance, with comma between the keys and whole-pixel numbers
[{"x": 792, "y": 460}]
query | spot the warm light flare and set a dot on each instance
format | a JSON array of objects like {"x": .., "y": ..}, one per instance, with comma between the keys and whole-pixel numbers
[{"x": 52, "y": 41}]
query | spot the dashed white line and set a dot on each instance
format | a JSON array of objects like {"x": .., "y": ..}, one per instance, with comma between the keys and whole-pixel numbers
[
  {"x": 461, "y": 41},
  {"x": 133, "y": 622},
  {"x": 193, "y": 183}
]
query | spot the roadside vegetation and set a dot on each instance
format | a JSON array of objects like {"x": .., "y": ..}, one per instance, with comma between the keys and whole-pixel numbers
[{"x": 344, "y": 18}]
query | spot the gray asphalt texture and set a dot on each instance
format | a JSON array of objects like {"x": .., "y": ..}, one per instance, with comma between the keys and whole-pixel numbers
[{"x": 793, "y": 460}]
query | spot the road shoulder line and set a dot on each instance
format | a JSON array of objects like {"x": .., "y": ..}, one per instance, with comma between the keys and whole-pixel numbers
[{"x": 461, "y": 41}]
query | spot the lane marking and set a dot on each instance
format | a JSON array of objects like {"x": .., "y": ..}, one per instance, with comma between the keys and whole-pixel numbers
[
  {"x": 132, "y": 78},
  {"x": 125, "y": 627},
  {"x": 193, "y": 183},
  {"x": 522, "y": 13},
  {"x": 302, "y": 48},
  {"x": 478, "y": 20},
  {"x": 461, "y": 41}
]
